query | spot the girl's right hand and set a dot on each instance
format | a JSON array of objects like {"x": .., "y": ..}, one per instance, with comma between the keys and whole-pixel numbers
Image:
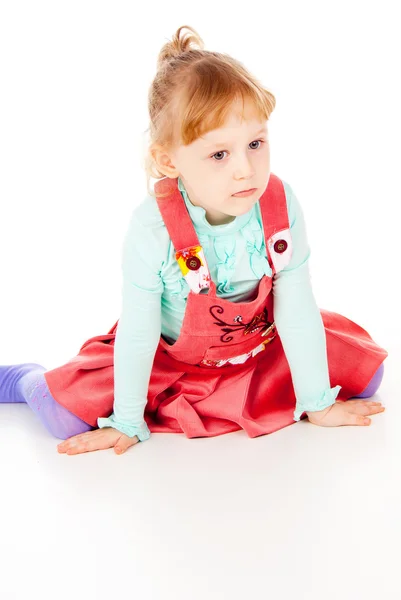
[{"x": 97, "y": 439}]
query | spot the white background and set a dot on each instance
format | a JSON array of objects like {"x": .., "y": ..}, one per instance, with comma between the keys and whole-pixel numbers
[{"x": 307, "y": 512}]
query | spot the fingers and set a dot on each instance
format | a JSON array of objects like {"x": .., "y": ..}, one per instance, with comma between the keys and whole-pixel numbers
[
  {"x": 124, "y": 443},
  {"x": 357, "y": 414},
  {"x": 97, "y": 439},
  {"x": 365, "y": 408},
  {"x": 362, "y": 403},
  {"x": 74, "y": 445},
  {"x": 69, "y": 442},
  {"x": 371, "y": 410},
  {"x": 354, "y": 419}
]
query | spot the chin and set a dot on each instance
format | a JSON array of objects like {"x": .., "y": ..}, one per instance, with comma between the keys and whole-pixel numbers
[{"x": 246, "y": 205}]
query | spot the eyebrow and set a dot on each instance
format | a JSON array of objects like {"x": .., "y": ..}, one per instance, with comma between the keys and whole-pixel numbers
[{"x": 263, "y": 130}]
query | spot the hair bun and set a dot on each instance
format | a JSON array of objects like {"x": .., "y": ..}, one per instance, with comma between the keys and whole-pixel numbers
[{"x": 180, "y": 44}]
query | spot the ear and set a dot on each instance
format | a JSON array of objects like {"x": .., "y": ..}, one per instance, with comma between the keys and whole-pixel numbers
[{"x": 164, "y": 162}]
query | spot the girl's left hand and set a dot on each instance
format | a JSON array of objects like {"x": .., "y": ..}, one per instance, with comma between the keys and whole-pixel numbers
[
  {"x": 349, "y": 412},
  {"x": 97, "y": 439}
]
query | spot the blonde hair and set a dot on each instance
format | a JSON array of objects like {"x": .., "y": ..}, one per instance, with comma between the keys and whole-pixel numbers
[{"x": 192, "y": 93}]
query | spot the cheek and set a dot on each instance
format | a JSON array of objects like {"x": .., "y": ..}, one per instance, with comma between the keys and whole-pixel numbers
[
  {"x": 265, "y": 154},
  {"x": 200, "y": 173}
]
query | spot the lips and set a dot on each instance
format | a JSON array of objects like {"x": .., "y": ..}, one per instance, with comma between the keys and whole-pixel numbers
[{"x": 243, "y": 192}]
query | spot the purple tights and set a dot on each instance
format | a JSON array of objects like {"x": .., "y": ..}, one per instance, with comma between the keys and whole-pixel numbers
[
  {"x": 26, "y": 383},
  {"x": 373, "y": 384}
]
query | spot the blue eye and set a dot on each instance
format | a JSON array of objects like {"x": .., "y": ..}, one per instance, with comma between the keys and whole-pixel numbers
[{"x": 223, "y": 151}]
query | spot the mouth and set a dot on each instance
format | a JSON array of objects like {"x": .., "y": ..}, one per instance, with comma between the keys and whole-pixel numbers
[{"x": 245, "y": 192}]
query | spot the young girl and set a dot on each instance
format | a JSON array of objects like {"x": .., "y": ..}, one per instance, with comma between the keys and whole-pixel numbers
[{"x": 219, "y": 329}]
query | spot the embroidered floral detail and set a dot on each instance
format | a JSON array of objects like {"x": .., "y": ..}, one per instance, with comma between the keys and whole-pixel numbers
[
  {"x": 235, "y": 360},
  {"x": 258, "y": 322}
]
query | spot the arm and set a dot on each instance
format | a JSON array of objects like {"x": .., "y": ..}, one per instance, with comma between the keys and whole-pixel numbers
[
  {"x": 138, "y": 330},
  {"x": 299, "y": 323}
]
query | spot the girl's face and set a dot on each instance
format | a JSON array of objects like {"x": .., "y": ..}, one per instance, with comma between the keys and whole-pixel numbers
[{"x": 221, "y": 163}]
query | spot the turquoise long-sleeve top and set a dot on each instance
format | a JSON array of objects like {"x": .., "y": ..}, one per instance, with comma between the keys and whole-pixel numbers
[{"x": 154, "y": 295}]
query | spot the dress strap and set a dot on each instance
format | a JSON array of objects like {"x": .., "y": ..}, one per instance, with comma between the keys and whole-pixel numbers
[
  {"x": 189, "y": 252},
  {"x": 273, "y": 208},
  {"x": 276, "y": 227},
  {"x": 175, "y": 214}
]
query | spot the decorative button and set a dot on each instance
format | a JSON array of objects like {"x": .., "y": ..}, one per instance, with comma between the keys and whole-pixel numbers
[
  {"x": 193, "y": 263},
  {"x": 280, "y": 246}
]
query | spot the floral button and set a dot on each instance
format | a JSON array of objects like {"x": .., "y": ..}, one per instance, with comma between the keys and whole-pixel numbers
[{"x": 280, "y": 246}]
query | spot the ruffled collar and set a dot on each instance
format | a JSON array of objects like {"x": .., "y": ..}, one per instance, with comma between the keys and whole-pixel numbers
[{"x": 198, "y": 216}]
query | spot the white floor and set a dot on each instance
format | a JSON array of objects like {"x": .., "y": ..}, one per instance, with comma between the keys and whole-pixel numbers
[{"x": 306, "y": 512}]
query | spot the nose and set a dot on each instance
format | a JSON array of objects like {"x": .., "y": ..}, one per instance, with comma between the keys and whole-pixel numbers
[{"x": 243, "y": 168}]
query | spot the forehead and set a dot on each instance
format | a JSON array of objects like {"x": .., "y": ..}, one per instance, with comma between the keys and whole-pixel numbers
[
  {"x": 231, "y": 131},
  {"x": 241, "y": 119}
]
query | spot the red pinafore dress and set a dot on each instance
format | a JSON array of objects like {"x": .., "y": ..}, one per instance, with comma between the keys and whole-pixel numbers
[{"x": 227, "y": 370}]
